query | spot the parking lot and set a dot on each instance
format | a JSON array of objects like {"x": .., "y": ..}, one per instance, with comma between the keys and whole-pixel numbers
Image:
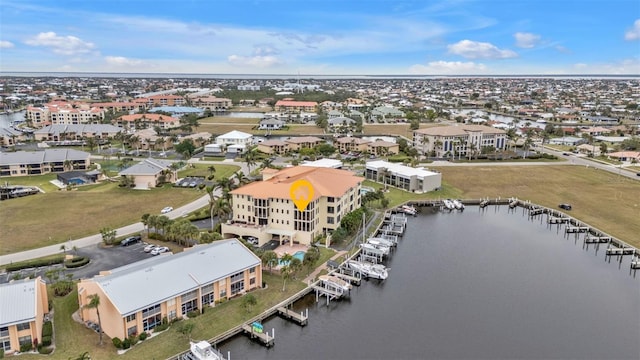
[
  {"x": 101, "y": 259},
  {"x": 191, "y": 181}
]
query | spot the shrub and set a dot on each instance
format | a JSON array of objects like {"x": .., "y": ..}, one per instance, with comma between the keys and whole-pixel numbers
[
  {"x": 156, "y": 236},
  {"x": 76, "y": 262},
  {"x": 192, "y": 314},
  {"x": 47, "y": 329},
  {"x": 44, "y": 350},
  {"x": 117, "y": 342},
  {"x": 26, "y": 347},
  {"x": 143, "y": 336},
  {"x": 35, "y": 263},
  {"x": 126, "y": 343},
  {"x": 46, "y": 340},
  {"x": 1, "y": 353},
  {"x": 133, "y": 340}
]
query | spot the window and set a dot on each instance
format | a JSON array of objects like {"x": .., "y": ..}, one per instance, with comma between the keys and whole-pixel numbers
[
  {"x": 132, "y": 331},
  {"x": 330, "y": 220},
  {"x": 23, "y": 326},
  {"x": 252, "y": 281},
  {"x": 131, "y": 317},
  {"x": 23, "y": 340},
  {"x": 151, "y": 322},
  {"x": 5, "y": 341},
  {"x": 4, "y": 331},
  {"x": 237, "y": 287},
  {"x": 172, "y": 315},
  {"x": 189, "y": 306},
  {"x": 330, "y": 209}
]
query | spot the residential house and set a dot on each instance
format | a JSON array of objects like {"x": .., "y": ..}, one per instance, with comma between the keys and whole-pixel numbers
[
  {"x": 271, "y": 124},
  {"x": 338, "y": 123},
  {"x": 162, "y": 100},
  {"x": 567, "y": 140},
  {"x": 264, "y": 209},
  {"x": 458, "y": 139},
  {"x": 293, "y": 106},
  {"x": 10, "y": 136},
  {"x": 235, "y": 137},
  {"x": 273, "y": 147},
  {"x": 78, "y": 177},
  {"x": 22, "y": 163},
  {"x": 212, "y": 103},
  {"x": 387, "y": 113},
  {"x": 631, "y": 156},
  {"x": 143, "y": 121},
  {"x": 383, "y": 148},
  {"x": 135, "y": 298},
  {"x": 403, "y": 177},
  {"x": 348, "y": 144},
  {"x": 76, "y": 132},
  {"x": 116, "y": 107},
  {"x": 150, "y": 173},
  {"x": 24, "y": 305},
  {"x": 297, "y": 143}
]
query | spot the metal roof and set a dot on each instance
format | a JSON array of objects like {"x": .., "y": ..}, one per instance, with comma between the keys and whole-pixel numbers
[
  {"x": 140, "y": 285},
  {"x": 18, "y": 302},
  {"x": 399, "y": 169},
  {"x": 146, "y": 167},
  {"x": 41, "y": 157}
]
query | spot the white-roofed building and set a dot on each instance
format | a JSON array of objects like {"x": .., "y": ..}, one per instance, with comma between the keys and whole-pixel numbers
[
  {"x": 235, "y": 137},
  {"x": 403, "y": 177},
  {"x": 325, "y": 163},
  {"x": 22, "y": 163},
  {"x": 136, "y": 298},
  {"x": 23, "y": 306}
]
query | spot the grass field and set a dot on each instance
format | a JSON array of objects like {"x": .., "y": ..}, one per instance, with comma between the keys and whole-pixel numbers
[{"x": 83, "y": 212}]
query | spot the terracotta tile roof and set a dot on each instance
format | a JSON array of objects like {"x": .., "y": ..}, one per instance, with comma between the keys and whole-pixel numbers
[
  {"x": 150, "y": 117},
  {"x": 295, "y": 103},
  {"x": 325, "y": 182},
  {"x": 351, "y": 140},
  {"x": 273, "y": 143}
]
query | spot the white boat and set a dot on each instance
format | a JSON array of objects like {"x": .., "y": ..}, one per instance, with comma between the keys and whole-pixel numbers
[
  {"x": 381, "y": 241},
  {"x": 368, "y": 270},
  {"x": 335, "y": 282},
  {"x": 458, "y": 204},
  {"x": 375, "y": 249},
  {"x": 409, "y": 210},
  {"x": 202, "y": 350},
  {"x": 448, "y": 204}
]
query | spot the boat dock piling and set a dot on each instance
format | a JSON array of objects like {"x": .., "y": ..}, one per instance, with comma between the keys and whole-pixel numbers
[
  {"x": 352, "y": 279},
  {"x": 330, "y": 292},
  {"x": 300, "y": 318},
  {"x": 577, "y": 229}
]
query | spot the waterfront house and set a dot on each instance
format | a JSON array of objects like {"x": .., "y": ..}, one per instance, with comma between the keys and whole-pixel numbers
[
  {"x": 136, "y": 298},
  {"x": 22, "y": 163},
  {"x": 150, "y": 173},
  {"x": 235, "y": 137},
  {"x": 24, "y": 305},
  {"x": 403, "y": 177}
]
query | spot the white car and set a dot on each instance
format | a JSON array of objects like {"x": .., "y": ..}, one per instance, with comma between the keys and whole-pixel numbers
[
  {"x": 166, "y": 210},
  {"x": 149, "y": 248},
  {"x": 159, "y": 250}
]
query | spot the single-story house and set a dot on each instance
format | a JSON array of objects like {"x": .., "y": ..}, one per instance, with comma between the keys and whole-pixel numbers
[
  {"x": 626, "y": 155},
  {"x": 567, "y": 140},
  {"x": 150, "y": 173},
  {"x": 271, "y": 124}
]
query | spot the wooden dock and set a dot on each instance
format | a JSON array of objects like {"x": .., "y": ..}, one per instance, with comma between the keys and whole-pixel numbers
[
  {"x": 352, "y": 279},
  {"x": 612, "y": 251},
  {"x": 577, "y": 229},
  {"x": 557, "y": 220},
  {"x": 300, "y": 318},
  {"x": 264, "y": 337},
  {"x": 597, "y": 239}
]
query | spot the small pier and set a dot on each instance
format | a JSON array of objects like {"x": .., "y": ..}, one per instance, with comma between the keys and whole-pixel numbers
[
  {"x": 577, "y": 229},
  {"x": 299, "y": 318},
  {"x": 596, "y": 239},
  {"x": 615, "y": 251},
  {"x": 635, "y": 263},
  {"x": 328, "y": 292},
  {"x": 256, "y": 333},
  {"x": 557, "y": 220},
  {"x": 535, "y": 211},
  {"x": 352, "y": 279}
]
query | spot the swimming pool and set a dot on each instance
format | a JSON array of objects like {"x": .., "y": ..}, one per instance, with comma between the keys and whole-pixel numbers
[{"x": 298, "y": 255}]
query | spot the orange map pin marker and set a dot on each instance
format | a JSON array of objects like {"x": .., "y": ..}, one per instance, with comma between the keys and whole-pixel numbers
[{"x": 301, "y": 192}]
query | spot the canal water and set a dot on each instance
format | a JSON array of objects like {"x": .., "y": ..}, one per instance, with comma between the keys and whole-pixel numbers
[
  {"x": 7, "y": 119},
  {"x": 488, "y": 284}
]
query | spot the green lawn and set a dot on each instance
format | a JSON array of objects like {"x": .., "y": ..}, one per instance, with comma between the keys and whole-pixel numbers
[
  {"x": 41, "y": 181},
  {"x": 221, "y": 171}
]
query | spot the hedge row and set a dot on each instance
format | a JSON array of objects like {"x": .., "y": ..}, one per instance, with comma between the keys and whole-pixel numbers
[
  {"x": 47, "y": 328},
  {"x": 76, "y": 262},
  {"x": 35, "y": 263}
]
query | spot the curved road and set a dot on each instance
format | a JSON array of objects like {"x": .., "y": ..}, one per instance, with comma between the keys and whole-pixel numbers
[{"x": 123, "y": 231}]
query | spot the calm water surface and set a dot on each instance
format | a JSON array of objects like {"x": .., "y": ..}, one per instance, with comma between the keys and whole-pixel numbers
[{"x": 475, "y": 285}]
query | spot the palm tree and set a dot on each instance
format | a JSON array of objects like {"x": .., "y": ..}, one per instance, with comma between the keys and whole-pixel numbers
[
  {"x": 310, "y": 257},
  {"x": 67, "y": 165},
  {"x": 266, "y": 163},
  {"x": 145, "y": 221},
  {"x": 269, "y": 259},
  {"x": 285, "y": 270},
  {"x": 94, "y": 303},
  {"x": 162, "y": 222},
  {"x": 212, "y": 170},
  {"x": 219, "y": 207},
  {"x": 295, "y": 265},
  {"x": 383, "y": 173},
  {"x": 242, "y": 178},
  {"x": 250, "y": 156}
]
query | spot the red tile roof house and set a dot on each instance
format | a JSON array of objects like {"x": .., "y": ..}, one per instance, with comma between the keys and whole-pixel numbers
[
  {"x": 296, "y": 106},
  {"x": 147, "y": 121}
]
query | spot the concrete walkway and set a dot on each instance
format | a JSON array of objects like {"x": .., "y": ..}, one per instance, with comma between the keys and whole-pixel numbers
[{"x": 314, "y": 274}]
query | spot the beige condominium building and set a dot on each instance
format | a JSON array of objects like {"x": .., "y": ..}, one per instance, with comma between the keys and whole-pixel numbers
[
  {"x": 264, "y": 209},
  {"x": 136, "y": 298},
  {"x": 458, "y": 140},
  {"x": 23, "y": 307}
]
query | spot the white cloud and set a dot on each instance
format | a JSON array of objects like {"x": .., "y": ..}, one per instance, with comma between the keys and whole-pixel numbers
[
  {"x": 448, "y": 68},
  {"x": 634, "y": 32},
  {"x": 64, "y": 45},
  {"x": 6, "y": 44},
  {"x": 526, "y": 40},
  {"x": 122, "y": 61},
  {"x": 622, "y": 67},
  {"x": 258, "y": 61},
  {"x": 479, "y": 50},
  {"x": 562, "y": 49}
]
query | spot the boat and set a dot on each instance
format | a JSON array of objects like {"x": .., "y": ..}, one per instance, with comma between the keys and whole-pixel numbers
[
  {"x": 335, "y": 282},
  {"x": 381, "y": 242},
  {"x": 409, "y": 210},
  {"x": 374, "y": 271},
  {"x": 448, "y": 204},
  {"x": 458, "y": 204},
  {"x": 375, "y": 249},
  {"x": 202, "y": 350}
]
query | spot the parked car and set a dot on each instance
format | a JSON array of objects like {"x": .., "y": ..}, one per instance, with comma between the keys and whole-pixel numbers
[
  {"x": 149, "y": 248},
  {"x": 252, "y": 240},
  {"x": 131, "y": 240},
  {"x": 159, "y": 250},
  {"x": 167, "y": 209},
  {"x": 565, "y": 206}
]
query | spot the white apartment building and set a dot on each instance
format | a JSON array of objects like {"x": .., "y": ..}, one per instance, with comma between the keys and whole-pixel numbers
[{"x": 458, "y": 140}]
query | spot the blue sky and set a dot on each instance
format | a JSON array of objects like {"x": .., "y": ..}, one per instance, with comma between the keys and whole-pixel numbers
[{"x": 328, "y": 37}]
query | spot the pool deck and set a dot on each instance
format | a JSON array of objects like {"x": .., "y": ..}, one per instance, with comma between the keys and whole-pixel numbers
[{"x": 290, "y": 249}]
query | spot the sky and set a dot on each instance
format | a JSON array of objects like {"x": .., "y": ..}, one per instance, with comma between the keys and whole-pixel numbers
[{"x": 322, "y": 37}]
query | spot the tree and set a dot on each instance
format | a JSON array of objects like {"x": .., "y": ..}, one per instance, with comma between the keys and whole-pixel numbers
[
  {"x": 325, "y": 149},
  {"x": 186, "y": 328},
  {"x": 219, "y": 207},
  {"x": 185, "y": 148},
  {"x": 91, "y": 143},
  {"x": 84, "y": 356},
  {"x": 603, "y": 148},
  {"x": 285, "y": 270},
  {"x": 383, "y": 173},
  {"x": 250, "y": 156},
  {"x": 94, "y": 303},
  {"x": 212, "y": 170},
  {"x": 67, "y": 165},
  {"x": 108, "y": 235},
  {"x": 310, "y": 257},
  {"x": 248, "y": 302},
  {"x": 269, "y": 259},
  {"x": 295, "y": 265}
]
